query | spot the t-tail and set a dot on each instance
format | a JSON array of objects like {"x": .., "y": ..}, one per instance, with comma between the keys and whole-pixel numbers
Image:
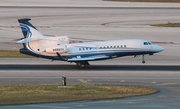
[
  {"x": 31, "y": 36},
  {"x": 35, "y": 43},
  {"x": 29, "y": 31}
]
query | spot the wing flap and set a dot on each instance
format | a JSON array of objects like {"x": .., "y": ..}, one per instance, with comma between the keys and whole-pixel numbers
[
  {"x": 81, "y": 59},
  {"x": 91, "y": 58}
]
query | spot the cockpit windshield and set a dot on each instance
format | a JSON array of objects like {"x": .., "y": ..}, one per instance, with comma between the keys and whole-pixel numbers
[{"x": 147, "y": 43}]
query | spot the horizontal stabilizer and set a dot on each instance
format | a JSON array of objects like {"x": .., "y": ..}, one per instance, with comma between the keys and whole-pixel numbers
[{"x": 25, "y": 40}]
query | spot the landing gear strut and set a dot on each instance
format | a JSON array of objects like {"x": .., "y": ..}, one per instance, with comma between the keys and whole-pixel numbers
[
  {"x": 82, "y": 64},
  {"x": 143, "y": 61}
]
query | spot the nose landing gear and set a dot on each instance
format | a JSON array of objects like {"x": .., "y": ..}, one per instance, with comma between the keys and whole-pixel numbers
[{"x": 143, "y": 61}]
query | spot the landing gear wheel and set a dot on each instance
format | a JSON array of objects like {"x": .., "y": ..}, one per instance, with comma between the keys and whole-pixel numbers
[
  {"x": 80, "y": 64},
  {"x": 143, "y": 62}
]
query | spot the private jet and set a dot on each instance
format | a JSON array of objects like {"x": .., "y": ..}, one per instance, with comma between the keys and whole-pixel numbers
[{"x": 60, "y": 47}]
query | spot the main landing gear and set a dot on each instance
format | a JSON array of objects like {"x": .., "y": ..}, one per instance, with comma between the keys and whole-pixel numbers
[
  {"x": 82, "y": 64},
  {"x": 143, "y": 61}
]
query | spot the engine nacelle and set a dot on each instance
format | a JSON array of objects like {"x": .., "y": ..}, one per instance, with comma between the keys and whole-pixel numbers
[
  {"x": 63, "y": 38},
  {"x": 59, "y": 49}
]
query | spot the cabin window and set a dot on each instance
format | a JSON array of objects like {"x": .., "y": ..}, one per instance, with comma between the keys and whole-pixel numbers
[
  {"x": 149, "y": 43},
  {"x": 124, "y": 46},
  {"x": 80, "y": 49},
  {"x": 121, "y": 46}
]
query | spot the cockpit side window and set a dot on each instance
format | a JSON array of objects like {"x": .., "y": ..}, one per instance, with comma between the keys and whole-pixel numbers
[{"x": 145, "y": 43}]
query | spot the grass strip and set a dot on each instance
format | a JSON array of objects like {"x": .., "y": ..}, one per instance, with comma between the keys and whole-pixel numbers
[
  {"x": 167, "y": 25},
  {"x": 170, "y": 1},
  {"x": 12, "y": 54},
  {"x": 43, "y": 93}
]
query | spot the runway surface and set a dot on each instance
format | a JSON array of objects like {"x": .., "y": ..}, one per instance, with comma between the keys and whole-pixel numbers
[
  {"x": 164, "y": 78},
  {"x": 167, "y": 82},
  {"x": 89, "y": 21}
]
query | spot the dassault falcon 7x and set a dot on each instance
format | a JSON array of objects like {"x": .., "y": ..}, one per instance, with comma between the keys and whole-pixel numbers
[{"x": 60, "y": 47}]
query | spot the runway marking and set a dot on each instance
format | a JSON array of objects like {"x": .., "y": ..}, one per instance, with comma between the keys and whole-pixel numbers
[
  {"x": 20, "y": 27},
  {"x": 80, "y": 105},
  {"x": 178, "y": 90},
  {"x": 30, "y": 77},
  {"x": 42, "y": 105},
  {"x": 83, "y": 81},
  {"x": 153, "y": 82},
  {"x": 35, "y": 26},
  {"x": 162, "y": 96},
  {"x": 173, "y": 83},
  {"x": 91, "y": 7},
  {"x": 7, "y": 42}
]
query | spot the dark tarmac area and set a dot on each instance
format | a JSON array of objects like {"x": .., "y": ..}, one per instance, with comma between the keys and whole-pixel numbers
[{"x": 93, "y": 67}]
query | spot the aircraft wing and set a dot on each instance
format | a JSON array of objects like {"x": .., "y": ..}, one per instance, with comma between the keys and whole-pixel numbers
[{"x": 90, "y": 58}]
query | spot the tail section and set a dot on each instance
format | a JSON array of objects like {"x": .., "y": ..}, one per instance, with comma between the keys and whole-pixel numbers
[
  {"x": 29, "y": 31},
  {"x": 31, "y": 37},
  {"x": 35, "y": 43}
]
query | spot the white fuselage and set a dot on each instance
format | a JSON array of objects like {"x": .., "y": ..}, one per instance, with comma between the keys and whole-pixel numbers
[
  {"x": 60, "y": 47},
  {"x": 115, "y": 48}
]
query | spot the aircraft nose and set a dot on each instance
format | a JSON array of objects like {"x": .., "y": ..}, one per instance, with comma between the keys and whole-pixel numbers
[
  {"x": 161, "y": 48},
  {"x": 158, "y": 48}
]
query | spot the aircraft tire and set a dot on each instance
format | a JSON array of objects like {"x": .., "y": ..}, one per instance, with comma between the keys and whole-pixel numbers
[{"x": 80, "y": 64}]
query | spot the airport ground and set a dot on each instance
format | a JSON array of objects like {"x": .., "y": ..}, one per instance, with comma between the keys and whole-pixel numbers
[{"x": 96, "y": 20}]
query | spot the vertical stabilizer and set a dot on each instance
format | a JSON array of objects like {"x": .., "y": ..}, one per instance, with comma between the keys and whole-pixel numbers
[{"x": 28, "y": 30}]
